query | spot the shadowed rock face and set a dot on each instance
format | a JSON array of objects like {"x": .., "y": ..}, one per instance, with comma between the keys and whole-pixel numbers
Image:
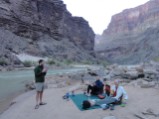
[
  {"x": 132, "y": 35},
  {"x": 44, "y": 28}
]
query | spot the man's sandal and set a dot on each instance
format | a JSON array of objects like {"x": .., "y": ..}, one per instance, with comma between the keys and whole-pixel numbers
[
  {"x": 42, "y": 103},
  {"x": 36, "y": 106}
]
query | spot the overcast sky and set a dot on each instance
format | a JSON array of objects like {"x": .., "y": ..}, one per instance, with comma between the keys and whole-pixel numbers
[{"x": 98, "y": 12}]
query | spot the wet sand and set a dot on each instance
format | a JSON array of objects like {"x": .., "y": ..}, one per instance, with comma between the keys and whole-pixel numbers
[{"x": 7, "y": 101}]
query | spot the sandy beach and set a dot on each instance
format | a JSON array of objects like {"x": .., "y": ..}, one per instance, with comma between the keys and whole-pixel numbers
[{"x": 140, "y": 100}]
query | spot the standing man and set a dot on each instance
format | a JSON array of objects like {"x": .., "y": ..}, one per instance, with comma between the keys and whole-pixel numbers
[{"x": 40, "y": 72}]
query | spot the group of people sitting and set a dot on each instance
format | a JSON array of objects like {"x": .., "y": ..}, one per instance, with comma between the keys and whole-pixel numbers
[{"x": 108, "y": 95}]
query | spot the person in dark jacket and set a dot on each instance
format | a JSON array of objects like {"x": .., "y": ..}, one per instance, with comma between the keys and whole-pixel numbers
[
  {"x": 40, "y": 72},
  {"x": 96, "y": 88}
]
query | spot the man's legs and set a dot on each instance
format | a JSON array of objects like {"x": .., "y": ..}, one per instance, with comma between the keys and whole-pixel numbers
[
  {"x": 37, "y": 99},
  {"x": 95, "y": 90},
  {"x": 107, "y": 100},
  {"x": 89, "y": 88},
  {"x": 92, "y": 90},
  {"x": 41, "y": 96}
]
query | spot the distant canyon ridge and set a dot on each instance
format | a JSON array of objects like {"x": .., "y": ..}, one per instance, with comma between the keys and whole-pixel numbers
[
  {"x": 43, "y": 28},
  {"x": 132, "y": 35}
]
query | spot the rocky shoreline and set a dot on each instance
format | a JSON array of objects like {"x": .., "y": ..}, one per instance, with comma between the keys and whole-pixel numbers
[
  {"x": 138, "y": 77},
  {"x": 145, "y": 75}
]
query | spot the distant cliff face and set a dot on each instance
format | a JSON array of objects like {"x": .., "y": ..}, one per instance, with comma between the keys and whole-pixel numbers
[
  {"x": 136, "y": 19},
  {"x": 132, "y": 35},
  {"x": 43, "y": 28}
]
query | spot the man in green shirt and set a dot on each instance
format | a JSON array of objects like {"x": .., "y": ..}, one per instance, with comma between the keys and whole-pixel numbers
[{"x": 40, "y": 72}]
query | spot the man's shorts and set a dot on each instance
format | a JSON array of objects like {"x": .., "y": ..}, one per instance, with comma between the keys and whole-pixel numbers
[{"x": 39, "y": 87}]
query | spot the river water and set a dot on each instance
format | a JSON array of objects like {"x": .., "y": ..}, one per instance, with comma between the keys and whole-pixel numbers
[{"x": 14, "y": 81}]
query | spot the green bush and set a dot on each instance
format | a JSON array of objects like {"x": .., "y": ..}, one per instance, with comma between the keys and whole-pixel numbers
[
  {"x": 87, "y": 62},
  {"x": 67, "y": 62},
  {"x": 51, "y": 62},
  {"x": 27, "y": 63},
  {"x": 34, "y": 63},
  {"x": 156, "y": 59},
  {"x": 54, "y": 62},
  {"x": 104, "y": 63},
  {"x": 3, "y": 62}
]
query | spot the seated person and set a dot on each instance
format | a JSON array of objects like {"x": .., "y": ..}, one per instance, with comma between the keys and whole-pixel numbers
[
  {"x": 107, "y": 89},
  {"x": 96, "y": 88},
  {"x": 117, "y": 93}
]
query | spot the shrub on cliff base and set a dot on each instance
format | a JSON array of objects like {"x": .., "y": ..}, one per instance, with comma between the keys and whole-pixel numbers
[
  {"x": 87, "y": 62},
  {"x": 27, "y": 63},
  {"x": 156, "y": 59},
  {"x": 3, "y": 62},
  {"x": 51, "y": 62},
  {"x": 67, "y": 62},
  {"x": 54, "y": 62},
  {"x": 104, "y": 63}
]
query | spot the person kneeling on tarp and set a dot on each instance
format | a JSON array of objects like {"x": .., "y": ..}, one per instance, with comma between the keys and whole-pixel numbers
[{"x": 96, "y": 88}]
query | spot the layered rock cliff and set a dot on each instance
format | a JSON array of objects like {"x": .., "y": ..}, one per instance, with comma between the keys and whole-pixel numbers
[
  {"x": 132, "y": 35},
  {"x": 43, "y": 28}
]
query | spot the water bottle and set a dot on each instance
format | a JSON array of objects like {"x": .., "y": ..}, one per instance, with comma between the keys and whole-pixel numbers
[
  {"x": 84, "y": 92},
  {"x": 67, "y": 96},
  {"x": 73, "y": 93}
]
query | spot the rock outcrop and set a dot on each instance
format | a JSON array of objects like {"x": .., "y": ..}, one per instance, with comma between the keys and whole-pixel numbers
[
  {"x": 42, "y": 28},
  {"x": 143, "y": 75},
  {"x": 132, "y": 35}
]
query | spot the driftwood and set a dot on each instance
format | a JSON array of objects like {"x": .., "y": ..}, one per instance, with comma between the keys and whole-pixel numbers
[
  {"x": 138, "y": 116},
  {"x": 150, "y": 112},
  {"x": 147, "y": 113}
]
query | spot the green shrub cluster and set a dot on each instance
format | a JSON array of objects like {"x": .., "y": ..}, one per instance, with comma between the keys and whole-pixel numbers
[
  {"x": 59, "y": 62},
  {"x": 3, "y": 62},
  {"x": 28, "y": 63},
  {"x": 156, "y": 59}
]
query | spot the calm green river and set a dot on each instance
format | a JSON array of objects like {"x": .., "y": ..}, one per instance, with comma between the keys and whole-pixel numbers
[{"x": 14, "y": 81}]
